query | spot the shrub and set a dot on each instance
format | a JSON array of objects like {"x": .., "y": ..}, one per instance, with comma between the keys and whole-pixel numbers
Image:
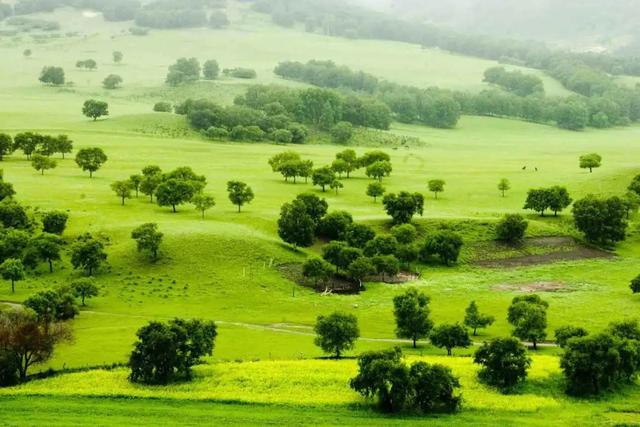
[
  {"x": 565, "y": 333},
  {"x": 162, "y": 107},
  {"x": 444, "y": 244},
  {"x": 511, "y": 228},
  {"x": 504, "y": 362}
]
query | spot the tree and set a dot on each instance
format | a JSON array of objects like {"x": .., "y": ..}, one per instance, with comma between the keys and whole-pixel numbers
[
  {"x": 436, "y": 186},
  {"x": 89, "y": 64},
  {"x": 174, "y": 192},
  {"x": 91, "y": 159},
  {"x": 601, "y": 220},
  {"x": 95, "y": 109},
  {"x": 317, "y": 270},
  {"x": 382, "y": 374},
  {"x": 122, "y": 189},
  {"x": 537, "y": 200},
  {"x": 6, "y": 145},
  {"x": 504, "y": 362},
  {"x": 203, "y": 203},
  {"x": 565, "y": 333},
  {"x": 336, "y": 333},
  {"x": 384, "y": 244},
  {"x": 295, "y": 225},
  {"x": 6, "y": 190},
  {"x": 450, "y": 336},
  {"x": 88, "y": 254},
  {"x": 112, "y": 81},
  {"x": 528, "y": 315},
  {"x": 403, "y": 206},
  {"x": 28, "y": 142},
  {"x": 590, "y": 161},
  {"x": 336, "y": 185},
  {"x": 14, "y": 215},
  {"x": 52, "y": 75},
  {"x": 358, "y": 235},
  {"x": 210, "y": 70},
  {"x": 340, "y": 255},
  {"x": 117, "y": 56},
  {"x": 27, "y": 340},
  {"x": 150, "y": 184},
  {"x": 334, "y": 225},
  {"x": 167, "y": 107},
  {"x": 12, "y": 269},
  {"x": 351, "y": 160},
  {"x": 315, "y": 206},
  {"x": 632, "y": 203},
  {"x": 375, "y": 190},
  {"x": 239, "y": 193},
  {"x": 404, "y": 234},
  {"x": 559, "y": 199},
  {"x": 42, "y": 163},
  {"x": 148, "y": 238},
  {"x": 183, "y": 71},
  {"x": 476, "y": 320},
  {"x": 503, "y": 186},
  {"x": 386, "y": 265},
  {"x": 47, "y": 248},
  {"x": 339, "y": 166},
  {"x": 635, "y": 285},
  {"x": 84, "y": 289},
  {"x": 323, "y": 177},
  {"x": 511, "y": 228},
  {"x": 379, "y": 170},
  {"x": 360, "y": 269},
  {"x": 167, "y": 352},
  {"x": 52, "y": 305},
  {"x": 434, "y": 387},
  {"x": 444, "y": 244},
  {"x": 411, "y": 312},
  {"x": 135, "y": 181},
  {"x": 342, "y": 133},
  {"x": 64, "y": 145},
  {"x": 218, "y": 20},
  {"x": 54, "y": 222},
  {"x": 27, "y": 53}
]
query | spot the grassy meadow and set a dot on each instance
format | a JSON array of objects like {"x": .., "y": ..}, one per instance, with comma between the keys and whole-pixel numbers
[{"x": 227, "y": 267}]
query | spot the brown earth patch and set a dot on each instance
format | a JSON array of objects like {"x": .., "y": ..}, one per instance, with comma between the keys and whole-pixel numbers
[{"x": 533, "y": 287}]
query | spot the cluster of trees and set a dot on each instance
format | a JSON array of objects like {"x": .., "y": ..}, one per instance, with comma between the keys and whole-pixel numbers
[
  {"x": 189, "y": 70},
  {"x": 33, "y": 144},
  {"x": 52, "y": 76},
  {"x": 183, "y": 14},
  {"x": 516, "y": 82},
  {"x": 555, "y": 199},
  {"x": 88, "y": 64}
]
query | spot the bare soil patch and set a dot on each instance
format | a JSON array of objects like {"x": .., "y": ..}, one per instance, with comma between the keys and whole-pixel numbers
[{"x": 534, "y": 287}]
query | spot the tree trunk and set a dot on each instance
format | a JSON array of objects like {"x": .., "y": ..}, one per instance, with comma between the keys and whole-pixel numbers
[
  {"x": 50, "y": 266},
  {"x": 174, "y": 208},
  {"x": 436, "y": 195},
  {"x": 535, "y": 344},
  {"x": 239, "y": 206},
  {"x": 474, "y": 332},
  {"x": 13, "y": 286},
  {"x": 414, "y": 342},
  {"x": 502, "y": 193},
  {"x": 83, "y": 304},
  {"x": 449, "y": 352},
  {"x": 90, "y": 174},
  {"x": 42, "y": 172},
  {"x": 203, "y": 214},
  {"x": 122, "y": 200}
]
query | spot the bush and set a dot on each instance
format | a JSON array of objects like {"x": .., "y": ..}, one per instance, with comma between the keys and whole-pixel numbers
[
  {"x": 336, "y": 333},
  {"x": 162, "y": 107},
  {"x": 9, "y": 369},
  {"x": 504, "y": 362},
  {"x": 635, "y": 285},
  {"x": 240, "y": 73},
  {"x": 444, "y": 244},
  {"x": 511, "y": 228},
  {"x": 54, "y": 222},
  {"x": 565, "y": 333}
]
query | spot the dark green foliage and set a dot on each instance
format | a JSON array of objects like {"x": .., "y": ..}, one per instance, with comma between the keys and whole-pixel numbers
[
  {"x": 240, "y": 73},
  {"x": 183, "y": 71},
  {"x": 52, "y": 75},
  {"x": 411, "y": 312},
  {"x": 46, "y": 247},
  {"x": 554, "y": 198},
  {"x": 6, "y": 145},
  {"x": 87, "y": 254},
  {"x": 511, "y": 228},
  {"x": 112, "y": 81},
  {"x": 122, "y": 189},
  {"x": 295, "y": 225},
  {"x": 323, "y": 177},
  {"x": 210, "y": 69},
  {"x": 239, "y": 193},
  {"x": 603, "y": 221},
  {"x": 162, "y": 107},
  {"x": 436, "y": 186},
  {"x": 381, "y": 245},
  {"x": 565, "y": 333},
  {"x": 504, "y": 362},
  {"x": 95, "y": 109},
  {"x": 53, "y": 305},
  {"x": 635, "y": 285},
  {"x": 476, "y": 320},
  {"x": 450, "y": 336},
  {"x": 434, "y": 388},
  {"x": 625, "y": 329},
  {"x": 174, "y": 192},
  {"x": 315, "y": 207},
  {"x": 42, "y": 163},
  {"x": 379, "y": 169},
  {"x": 148, "y": 238},
  {"x": 14, "y": 215},
  {"x": 334, "y": 225},
  {"x": 403, "y": 206},
  {"x": 89, "y": 64},
  {"x": 514, "y": 81},
  {"x": 9, "y": 369},
  {"x": 13, "y": 270},
  {"x": 336, "y": 333},
  {"x": 342, "y": 133},
  {"x": 528, "y": 315},
  {"x": 444, "y": 244},
  {"x": 358, "y": 235},
  {"x": 340, "y": 254},
  {"x": 84, "y": 289},
  {"x": 405, "y": 234},
  {"x": 361, "y": 268},
  {"x": 386, "y": 265},
  {"x": 91, "y": 159},
  {"x": 317, "y": 270},
  {"x": 166, "y": 352},
  {"x": 375, "y": 190}
]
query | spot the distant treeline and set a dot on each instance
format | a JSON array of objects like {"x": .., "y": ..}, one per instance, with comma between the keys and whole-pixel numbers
[{"x": 441, "y": 108}]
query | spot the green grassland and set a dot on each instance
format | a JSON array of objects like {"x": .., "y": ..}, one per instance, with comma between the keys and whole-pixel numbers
[{"x": 226, "y": 267}]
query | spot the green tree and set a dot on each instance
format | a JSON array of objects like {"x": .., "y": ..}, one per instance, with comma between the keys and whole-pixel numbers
[
  {"x": 450, "y": 336},
  {"x": 411, "y": 312},
  {"x": 323, "y": 177},
  {"x": 342, "y": 133},
  {"x": 135, "y": 181},
  {"x": 112, "y": 81},
  {"x": 434, "y": 387},
  {"x": 150, "y": 184},
  {"x": 87, "y": 254},
  {"x": 503, "y": 186},
  {"x": 504, "y": 362},
  {"x": 295, "y": 225},
  {"x": 436, "y": 186},
  {"x": 203, "y": 203},
  {"x": 476, "y": 320},
  {"x": 239, "y": 193},
  {"x": 386, "y": 265},
  {"x": 52, "y": 76},
  {"x": 42, "y": 163},
  {"x": 54, "y": 222},
  {"x": 47, "y": 248},
  {"x": 6, "y": 145},
  {"x": 95, "y": 109},
  {"x": 148, "y": 238},
  {"x": 361, "y": 268},
  {"x": 565, "y": 333},
  {"x": 444, "y": 244},
  {"x": 559, "y": 199},
  {"x": 511, "y": 228},
  {"x": 317, "y": 270},
  {"x": 183, "y": 71},
  {"x": 528, "y": 315},
  {"x": 350, "y": 158},
  {"x": 340, "y": 166},
  {"x": 403, "y": 206},
  {"x": 117, "y": 56},
  {"x": 84, "y": 289},
  {"x": 635, "y": 285},
  {"x": 174, "y": 192},
  {"x": 91, "y": 159},
  {"x": 336, "y": 185},
  {"x": 404, "y": 234},
  {"x": 12, "y": 269},
  {"x": 590, "y": 161},
  {"x": 334, "y": 225},
  {"x": 122, "y": 189},
  {"x": 358, "y": 235},
  {"x": 336, "y": 333},
  {"x": 64, "y": 145},
  {"x": 210, "y": 70},
  {"x": 51, "y": 305},
  {"x": 602, "y": 221},
  {"x": 379, "y": 170},
  {"x": 375, "y": 190}
]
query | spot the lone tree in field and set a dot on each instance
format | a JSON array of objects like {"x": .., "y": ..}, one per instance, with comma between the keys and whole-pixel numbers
[
  {"x": 450, "y": 336},
  {"x": 411, "y": 311},
  {"x": 528, "y": 315},
  {"x": 46, "y": 247},
  {"x": 166, "y": 352},
  {"x": 148, "y": 238},
  {"x": 295, "y": 225},
  {"x": 122, "y": 189},
  {"x": 602, "y": 221},
  {"x": 336, "y": 333},
  {"x": 117, "y": 56},
  {"x": 112, "y": 81},
  {"x": 403, "y": 206},
  {"x": 174, "y": 192},
  {"x": 84, "y": 289},
  {"x": 504, "y": 362},
  {"x": 87, "y": 254},
  {"x": 379, "y": 170},
  {"x": 375, "y": 190},
  {"x": 323, "y": 177},
  {"x": 27, "y": 340},
  {"x": 42, "y": 163},
  {"x": 436, "y": 186},
  {"x": 590, "y": 161},
  {"x": 13, "y": 270},
  {"x": 503, "y": 186},
  {"x": 511, "y": 228},
  {"x": 95, "y": 109},
  {"x": 203, "y": 203},
  {"x": 91, "y": 159},
  {"x": 6, "y": 145},
  {"x": 239, "y": 193},
  {"x": 52, "y": 76},
  {"x": 476, "y": 320}
]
